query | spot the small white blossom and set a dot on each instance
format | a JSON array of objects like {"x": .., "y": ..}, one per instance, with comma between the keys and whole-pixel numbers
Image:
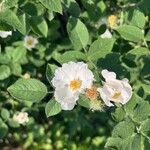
[
  {"x": 106, "y": 34},
  {"x": 30, "y": 42},
  {"x": 5, "y": 34},
  {"x": 21, "y": 117},
  {"x": 114, "y": 90},
  {"x": 102, "y": 21},
  {"x": 69, "y": 81},
  {"x": 26, "y": 76}
]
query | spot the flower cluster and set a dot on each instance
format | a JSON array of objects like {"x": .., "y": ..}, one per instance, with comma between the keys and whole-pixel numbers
[{"x": 73, "y": 79}]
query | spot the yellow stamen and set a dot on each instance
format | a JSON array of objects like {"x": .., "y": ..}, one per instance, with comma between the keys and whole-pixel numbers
[
  {"x": 112, "y": 20},
  {"x": 29, "y": 42},
  {"x": 116, "y": 95},
  {"x": 75, "y": 84}
]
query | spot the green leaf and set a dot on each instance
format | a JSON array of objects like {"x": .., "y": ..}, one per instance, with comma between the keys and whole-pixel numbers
[
  {"x": 50, "y": 70},
  {"x": 137, "y": 142},
  {"x": 100, "y": 48},
  {"x": 36, "y": 61},
  {"x": 136, "y": 18},
  {"x": 147, "y": 37},
  {"x": 24, "y": 19},
  {"x": 72, "y": 56},
  {"x": 52, "y": 108},
  {"x": 16, "y": 69},
  {"x": 28, "y": 90},
  {"x": 4, "y": 59},
  {"x": 142, "y": 111},
  {"x": 83, "y": 101},
  {"x": 139, "y": 51},
  {"x": 129, "y": 107},
  {"x": 72, "y": 7},
  {"x": 3, "y": 129},
  {"x": 113, "y": 143},
  {"x": 4, "y": 72},
  {"x": 134, "y": 142},
  {"x": 123, "y": 130},
  {"x": 10, "y": 18},
  {"x": 145, "y": 127},
  {"x": 146, "y": 88},
  {"x": 119, "y": 114},
  {"x": 52, "y": 5},
  {"x": 39, "y": 25},
  {"x": 10, "y": 3},
  {"x": 18, "y": 54},
  {"x": 13, "y": 123},
  {"x": 78, "y": 33},
  {"x": 5, "y": 114},
  {"x": 94, "y": 9},
  {"x": 130, "y": 33}
]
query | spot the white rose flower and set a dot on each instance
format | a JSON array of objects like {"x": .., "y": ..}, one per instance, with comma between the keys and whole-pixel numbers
[
  {"x": 106, "y": 34},
  {"x": 114, "y": 90},
  {"x": 4, "y": 34},
  {"x": 69, "y": 81},
  {"x": 21, "y": 117},
  {"x": 30, "y": 42}
]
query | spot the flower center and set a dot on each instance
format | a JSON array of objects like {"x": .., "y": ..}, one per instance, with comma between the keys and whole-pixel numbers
[
  {"x": 30, "y": 42},
  {"x": 91, "y": 93},
  {"x": 112, "y": 20},
  {"x": 75, "y": 84},
  {"x": 116, "y": 95}
]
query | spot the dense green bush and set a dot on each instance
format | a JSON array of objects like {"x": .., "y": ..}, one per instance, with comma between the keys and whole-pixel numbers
[{"x": 41, "y": 36}]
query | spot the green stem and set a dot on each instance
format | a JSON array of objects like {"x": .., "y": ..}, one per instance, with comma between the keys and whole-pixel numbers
[
  {"x": 145, "y": 43},
  {"x": 144, "y": 135},
  {"x": 95, "y": 67},
  {"x": 51, "y": 92}
]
